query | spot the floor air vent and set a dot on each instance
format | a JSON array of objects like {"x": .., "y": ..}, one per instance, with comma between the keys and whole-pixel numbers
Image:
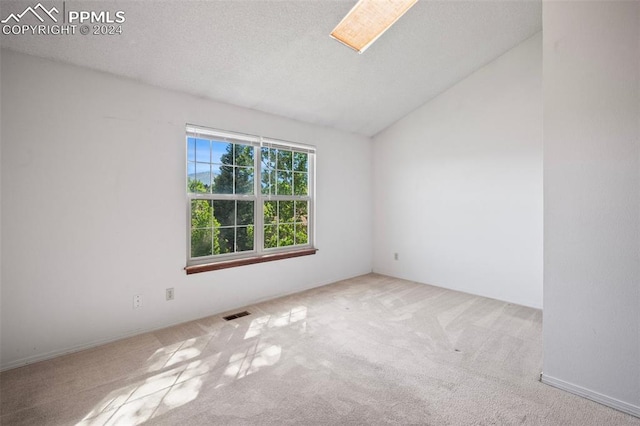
[{"x": 237, "y": 315}]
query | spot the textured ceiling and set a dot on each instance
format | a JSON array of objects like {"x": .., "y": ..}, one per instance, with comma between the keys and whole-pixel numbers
[{"x": 277, "y": 56}]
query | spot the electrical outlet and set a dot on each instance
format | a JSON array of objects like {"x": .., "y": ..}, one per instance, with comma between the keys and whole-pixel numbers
[
  {"x": 137, "y": 301},
  {"x": 395, "y": 256},
  {"x": 170, "y": 294}
]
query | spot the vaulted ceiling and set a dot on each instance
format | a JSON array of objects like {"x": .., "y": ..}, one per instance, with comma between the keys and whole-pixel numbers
[{"x": 277, "y": 56}]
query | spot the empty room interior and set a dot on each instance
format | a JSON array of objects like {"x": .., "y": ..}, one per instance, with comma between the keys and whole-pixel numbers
[{"x": 320, "y": 212}]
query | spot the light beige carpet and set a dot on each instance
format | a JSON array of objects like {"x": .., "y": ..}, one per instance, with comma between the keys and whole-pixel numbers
[{"x": 369, "y": 350}]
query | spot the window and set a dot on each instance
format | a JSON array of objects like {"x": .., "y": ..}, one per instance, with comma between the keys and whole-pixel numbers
[{"x": 249, "y": 197}]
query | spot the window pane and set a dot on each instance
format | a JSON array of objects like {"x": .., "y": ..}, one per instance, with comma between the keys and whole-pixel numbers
[
  {"x": 244, "y": 238},
  {"x": 300, "y": 161},
  {"x": 270, "y": 236},
  {"x": 268, "y": 182},
  {"x": 268, "y": 158},
  {"x": 223, "y": 183},
  {"x": 243, "y": 155},
  {"x": 201, "y": 179},
  {"x": 215, "y": 173},
  {"x": 222, "y": 152},
  {"x": 286, "y": 212},
  {"x": 270, "y": 212},
  {"x": 301, "y": 234},
  {"x": 244, "y": 213},
  {"x": 191, "y": 149},
  {"x": 285, "y": 235},
  {"x": 227, "y": 240},
  {"x": 285, "y": 160},
  {"x": 244, "y": 180},
  {"x": 301, "y": 212},
  {"x": 225, "y": 212},
  {"x": 203, "y": 151},
  {"x": 201, "y": 214},
  {"x": 284, "y": 183},
  {"x": 191, "y": 173},
  {"x": 300, "y": 183},
  {"x": 201, "y": 242}
]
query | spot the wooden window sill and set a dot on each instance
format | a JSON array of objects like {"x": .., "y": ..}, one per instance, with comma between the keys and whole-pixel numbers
[{"x": 195, "y": 269}]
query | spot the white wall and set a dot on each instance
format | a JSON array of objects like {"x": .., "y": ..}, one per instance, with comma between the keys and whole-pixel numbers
[
  {"x": 458, "y": 184},
  {"x": 94, "y": 209},
  {"x": 592, "y": 200}
]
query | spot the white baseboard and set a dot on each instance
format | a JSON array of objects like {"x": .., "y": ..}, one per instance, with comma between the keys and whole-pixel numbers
[{"x": 625, "y": 407}]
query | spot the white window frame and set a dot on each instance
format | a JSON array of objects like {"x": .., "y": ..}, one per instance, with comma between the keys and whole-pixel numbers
[{"x": 258, "y": 142}]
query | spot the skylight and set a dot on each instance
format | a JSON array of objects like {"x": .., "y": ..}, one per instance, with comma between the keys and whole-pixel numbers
[{"x": 368, "y": 20}]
